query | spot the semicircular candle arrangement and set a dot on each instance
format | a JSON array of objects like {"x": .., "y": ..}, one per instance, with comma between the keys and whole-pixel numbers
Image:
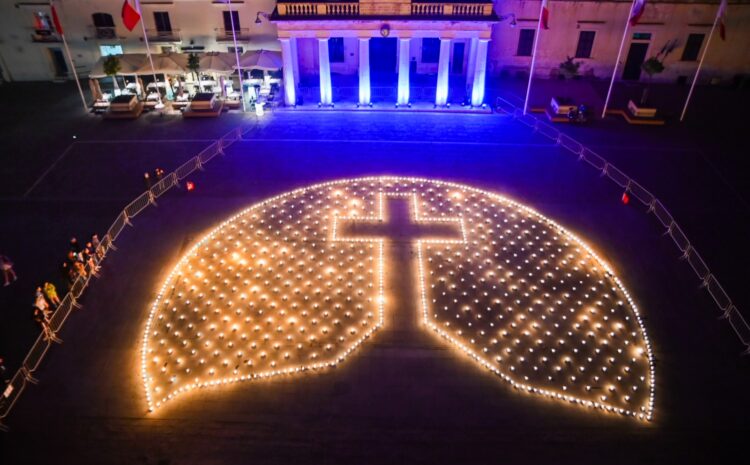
[{"x": 297, "y": 283}]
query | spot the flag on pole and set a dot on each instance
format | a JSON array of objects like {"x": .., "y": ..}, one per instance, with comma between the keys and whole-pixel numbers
[
  {"x": 130, "y": 15},
  {"x": 55, "y": 19},
  {"x": 545, "y": 15},
  {"x": 635, "y": 14},
  {"x": 722, "y": 13}
]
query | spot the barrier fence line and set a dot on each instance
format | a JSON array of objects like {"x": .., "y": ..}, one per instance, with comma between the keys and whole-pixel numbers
[
  {"x": 728, "y": 310},
  {"x": 44, "y": 341}
]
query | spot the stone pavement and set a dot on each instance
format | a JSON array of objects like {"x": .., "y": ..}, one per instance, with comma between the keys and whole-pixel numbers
[{"x": 387, "y": 405}]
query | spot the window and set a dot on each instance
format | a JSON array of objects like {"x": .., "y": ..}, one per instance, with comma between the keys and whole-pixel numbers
[
  {"x": 642, "y": 36},
  {"x": 239, "y": 50},
  {"x": 336, "y": 49},
  {"x": 692, "y": 47},
  {"x": 525, "y": 42},
  {"x": 231, "y": 17},
  {"x": 161, "y": 19},
  {"x": 585, "y": 44},
  {"x": 430, "y": 50},
  {"x": 103, "y": 20},
  {"x": 107, "y": 50}
]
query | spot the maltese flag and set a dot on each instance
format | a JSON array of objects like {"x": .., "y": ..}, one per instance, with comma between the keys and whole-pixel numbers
[
  {"x": 545, "y": 15},
  {"x": 56, "y": 19},
  {"x": 637, "y": 11},
  {"x": 130, "y": 15}
]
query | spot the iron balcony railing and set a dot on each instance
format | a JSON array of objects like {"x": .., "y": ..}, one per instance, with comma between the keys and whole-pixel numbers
[
  {"x": 156, "y": 35},
  {"x": 225, "y": 35},
  {"x": 44, "y": 35}
]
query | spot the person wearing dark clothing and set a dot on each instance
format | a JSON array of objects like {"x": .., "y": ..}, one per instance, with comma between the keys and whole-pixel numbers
[{"x": 74, "y": 245}]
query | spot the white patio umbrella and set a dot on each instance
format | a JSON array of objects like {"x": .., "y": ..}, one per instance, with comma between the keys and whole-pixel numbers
[
  {"x": 217, "y": 62},
  {"x": 169, "y": 63},
  {"x": 130, "y": 63},
  {"x": 261, "y": 59}
]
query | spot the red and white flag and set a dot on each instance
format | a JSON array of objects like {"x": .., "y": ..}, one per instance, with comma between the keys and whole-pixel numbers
[
  {"x": 56, "y": 19},
  {"x": 637, "y": 11},
  {"x": 545, "y": 15},
  {"x": 722, "y": 14},
  {"x": 130, "y": 15}
]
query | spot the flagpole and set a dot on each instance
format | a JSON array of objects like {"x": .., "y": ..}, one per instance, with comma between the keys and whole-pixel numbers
[
  {"x": 533, "y": 58},
  {"x": 617, "y": 63},
  {"x": 72, "y": 65},
  {"x": 236, "y": 54},
  {"x": 700, "y": 65},
  {"x": 159, "y": 105}
]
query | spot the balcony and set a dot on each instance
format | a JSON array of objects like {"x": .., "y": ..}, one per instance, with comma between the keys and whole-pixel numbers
[
  {"x": 225, "y": 35},
  {"x": 44, "y": 36},
  {"x": 312, "y": 9},
  {"x": 156, "y": 36},
  {"x": 105, "y": 32}
]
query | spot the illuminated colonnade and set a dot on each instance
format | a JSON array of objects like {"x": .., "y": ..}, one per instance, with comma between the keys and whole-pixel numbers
[
  {"x": 275, "y": 291},
  {"x": 408, "y": 22}
]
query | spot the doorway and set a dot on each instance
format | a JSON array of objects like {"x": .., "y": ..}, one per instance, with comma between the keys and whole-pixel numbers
[
  {"x": 636, "y": 57},
  {"x": 383, "y": 54},
  {"x": 458, "y": 58},
  {"x": 58, "y": 63}
]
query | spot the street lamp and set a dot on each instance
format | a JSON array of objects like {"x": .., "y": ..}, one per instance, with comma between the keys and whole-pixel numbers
[
  {"x": 263, "y": 14},
  {"x": 511, "y": 16}
]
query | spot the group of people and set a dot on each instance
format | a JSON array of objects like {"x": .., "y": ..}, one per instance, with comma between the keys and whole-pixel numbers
[
  {"x": 149, "y": 180},
  {"x": 81, "y": 260}
]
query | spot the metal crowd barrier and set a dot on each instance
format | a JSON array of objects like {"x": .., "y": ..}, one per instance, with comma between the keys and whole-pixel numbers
[
  {"x": 728, "y": 310},
  {"x": 33, "y": 359}
]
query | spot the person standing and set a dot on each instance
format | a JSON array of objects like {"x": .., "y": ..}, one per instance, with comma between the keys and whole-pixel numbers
[
  {"x": 8, "y": 273},
  {"x": 147, "y": 180},
  {"x": 40, "y": 304},
  {"x": 95, "y": 243},
  {"x": 51, "y": 292},
  {"x": 75, "y": 247}
]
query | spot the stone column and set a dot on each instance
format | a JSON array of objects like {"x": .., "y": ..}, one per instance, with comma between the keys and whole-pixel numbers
[
  {"x": 325, "y": 73},
  {"x": 441, "y": 95},
  {"x": 403, "y": 71},
  {"x": 288, "y": 58},
  {"x": 477, "y": 88},
  {"x": 364, "y": 71},
  {"x": 293, "y": 44},
  {"x": 471, "y": 65}
]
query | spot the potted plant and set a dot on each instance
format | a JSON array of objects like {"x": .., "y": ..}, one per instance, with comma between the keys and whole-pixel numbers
[
  {"x": 569, "y": 68},
  {"x": 194, "y": 64},
  {"x": 111, "y": 67}
]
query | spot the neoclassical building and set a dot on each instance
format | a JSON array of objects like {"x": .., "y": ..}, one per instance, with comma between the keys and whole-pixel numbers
[
  {"x": 387, "y": 51},
  {"x": 454, "y": 34}
]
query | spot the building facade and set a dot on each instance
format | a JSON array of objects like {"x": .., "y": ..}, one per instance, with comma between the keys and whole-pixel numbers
[{"x": 423, "y": 36}]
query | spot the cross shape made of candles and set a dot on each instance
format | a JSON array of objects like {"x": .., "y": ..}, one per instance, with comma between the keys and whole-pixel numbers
[{"x": 400, "y": 228}]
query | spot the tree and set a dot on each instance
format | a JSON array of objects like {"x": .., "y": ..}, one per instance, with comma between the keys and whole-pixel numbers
[
  {"x": 569, "y": 68},
  {"x": 194, "y": 64},
  {"x": 111, "y": 67},
  {"x": 655, "y": 65}
]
